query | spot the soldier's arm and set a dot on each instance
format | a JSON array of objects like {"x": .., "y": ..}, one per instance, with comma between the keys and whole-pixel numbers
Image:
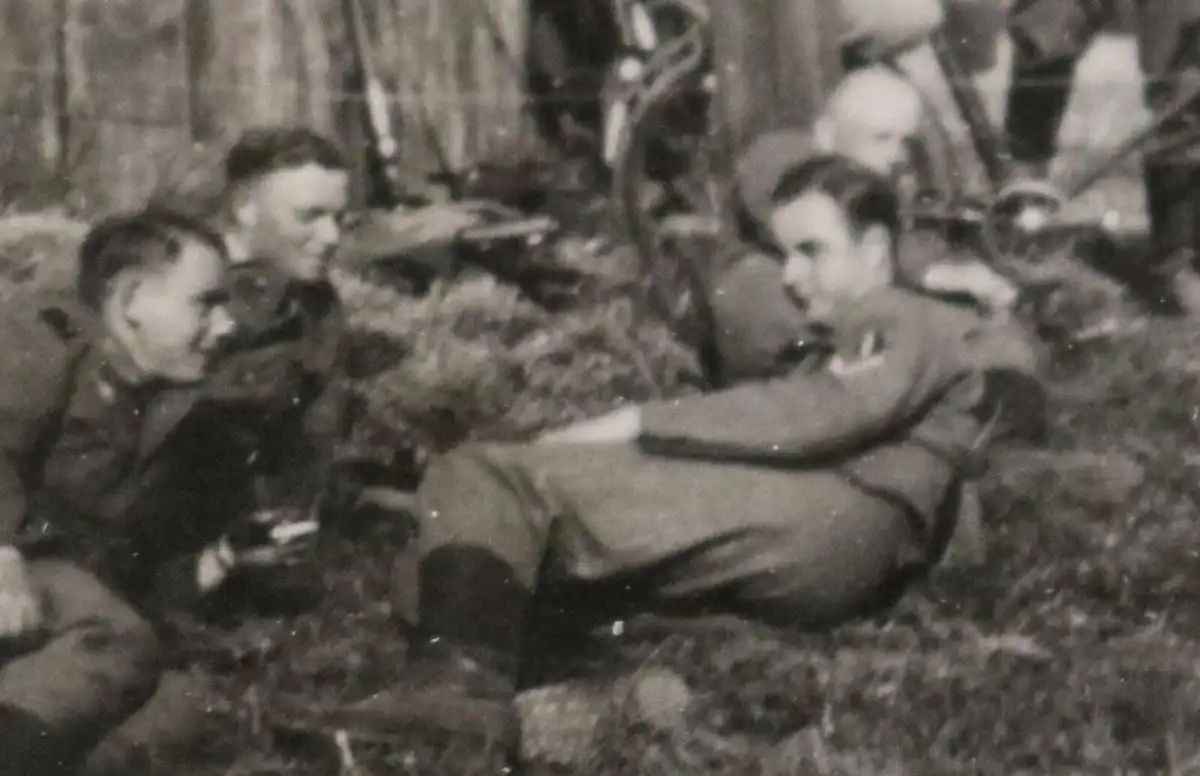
[
  {"x": 34, "y": 387},
  {"x": 806, "y": 416}
]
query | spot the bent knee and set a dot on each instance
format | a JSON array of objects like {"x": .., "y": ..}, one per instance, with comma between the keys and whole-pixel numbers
[{"x": 77, "y": 602}]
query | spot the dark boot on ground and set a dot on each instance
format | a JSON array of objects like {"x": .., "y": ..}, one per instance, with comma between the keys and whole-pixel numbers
[
  {"x": 1168, "y": 283},
  {"x": 455, "y": 698}
]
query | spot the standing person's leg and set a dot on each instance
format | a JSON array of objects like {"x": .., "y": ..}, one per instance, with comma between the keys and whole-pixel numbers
[
  {"x": 875, "y": 28},
  {"x": 973, "y": 29},
  {"x": 1169, "y": 52},
  {"x": 1049, "y": 38},
  {"x": 98, "y": 663}
]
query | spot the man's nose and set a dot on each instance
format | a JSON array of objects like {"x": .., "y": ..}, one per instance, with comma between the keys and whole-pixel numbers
[
  {"x": 329, "y": 231},
  {"x": 795, "y": 274},
  {"x": 222, "y": 324}
]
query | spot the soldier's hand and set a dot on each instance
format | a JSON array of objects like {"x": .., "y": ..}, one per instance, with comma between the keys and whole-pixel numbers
[
  {"x": 272, "y": 538},
  {"x": 20, "y": 610}
]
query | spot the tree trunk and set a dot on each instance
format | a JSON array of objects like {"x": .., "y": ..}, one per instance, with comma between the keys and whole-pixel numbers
[
  {"x": 253, "y": 62},
  {"x": 458, "y": 71},
  {"x": 777, "y": 59},
  {"x": 122, "y": 99},
  {"x": 29, "y": 92}
]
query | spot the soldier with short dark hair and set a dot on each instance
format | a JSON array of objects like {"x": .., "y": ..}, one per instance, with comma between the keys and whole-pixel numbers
[{"x": 84, "y": 406}]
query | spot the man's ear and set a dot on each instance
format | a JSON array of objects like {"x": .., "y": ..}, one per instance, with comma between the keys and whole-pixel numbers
[
  {"x": 125, "y": 299},
  {"x": 243, "y": 209},
  {"x": 877, "y": 246},
  {"x": 823, "y": 134}
]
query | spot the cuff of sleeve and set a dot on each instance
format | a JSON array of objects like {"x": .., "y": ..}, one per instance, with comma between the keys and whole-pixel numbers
[
  {"x": 662, "y": 420},
  {"x": 214, "y": 565}
]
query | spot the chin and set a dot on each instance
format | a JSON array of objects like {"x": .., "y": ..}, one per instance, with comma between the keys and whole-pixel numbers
[{"x": 314, "y": 268}]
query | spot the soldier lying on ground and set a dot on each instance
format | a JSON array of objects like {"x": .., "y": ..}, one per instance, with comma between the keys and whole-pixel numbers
[
  {"x": 84, "y": 409},
  {"x": 803, "y": 500}
]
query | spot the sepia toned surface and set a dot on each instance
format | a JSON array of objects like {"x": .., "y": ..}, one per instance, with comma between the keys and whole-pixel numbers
[{"x": 1072, "y": 649}]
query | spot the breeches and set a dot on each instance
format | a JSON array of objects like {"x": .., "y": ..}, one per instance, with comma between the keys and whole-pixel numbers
[
  {"x": 97, "y": 664},
  {"x": 607, "y": 524}
]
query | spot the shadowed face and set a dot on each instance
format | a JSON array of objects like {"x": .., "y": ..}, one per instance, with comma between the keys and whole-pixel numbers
[
  {"x": 826, "y": 261},
  {"x": 171, "y": 319},
  {"x": 293, "y": 218}
]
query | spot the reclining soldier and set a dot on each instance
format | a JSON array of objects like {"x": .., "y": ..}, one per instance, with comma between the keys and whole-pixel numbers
[
  {"x": 85, "y": 407},
  {"x": 803, "y": 500}
]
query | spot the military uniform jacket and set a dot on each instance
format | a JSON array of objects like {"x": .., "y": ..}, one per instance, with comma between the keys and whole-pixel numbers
[
  {"x": 852, "y": 465},
  {"x": 276, "y": 402},
  {"x": 92, "y": 466}
]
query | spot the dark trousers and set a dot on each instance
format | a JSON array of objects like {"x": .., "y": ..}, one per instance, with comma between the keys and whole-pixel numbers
[{"x": 96, "y": 664}]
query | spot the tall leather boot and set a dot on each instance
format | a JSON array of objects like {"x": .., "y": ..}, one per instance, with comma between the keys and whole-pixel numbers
[
  {"x": 455, "y": 698},
  {"x": 1167, "y": 282},
  {"x": 1035, "y": 107}
]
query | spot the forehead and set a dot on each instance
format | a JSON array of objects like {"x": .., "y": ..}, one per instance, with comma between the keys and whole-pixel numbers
[
  {"x": 812, "y": 217},
  {"x": 199, "y": 267},
  {"x": 310, "y": 185}
]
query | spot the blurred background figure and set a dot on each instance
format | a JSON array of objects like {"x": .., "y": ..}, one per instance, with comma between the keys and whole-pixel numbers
[{"x": 1049, "y": 38}]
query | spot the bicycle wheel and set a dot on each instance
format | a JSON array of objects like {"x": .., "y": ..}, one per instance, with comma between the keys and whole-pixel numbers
[{"x": 665, "y": 199}]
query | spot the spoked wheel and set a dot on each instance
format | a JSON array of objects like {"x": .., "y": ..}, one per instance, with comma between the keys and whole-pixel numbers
[{"x": 663, "y": 154}]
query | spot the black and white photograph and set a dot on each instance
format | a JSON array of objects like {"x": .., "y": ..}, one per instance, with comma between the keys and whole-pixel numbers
[{"x": 599, "y": 387}]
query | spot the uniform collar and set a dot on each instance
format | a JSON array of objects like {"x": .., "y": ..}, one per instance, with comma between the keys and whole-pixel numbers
[{"x": 263, "y": 298}]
